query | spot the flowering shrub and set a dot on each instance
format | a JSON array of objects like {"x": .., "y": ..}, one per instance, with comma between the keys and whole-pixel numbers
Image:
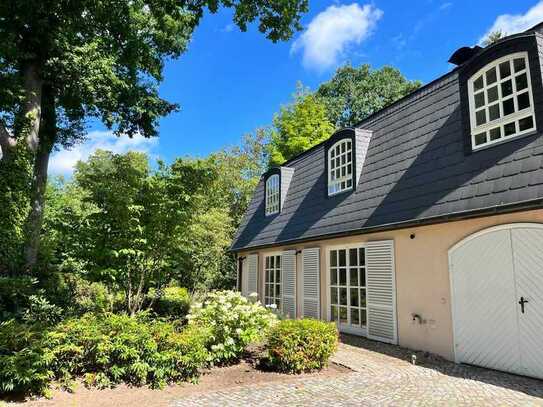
[
  {"x": 296, "y": 346},
  {"x": 234, "y": 322}
]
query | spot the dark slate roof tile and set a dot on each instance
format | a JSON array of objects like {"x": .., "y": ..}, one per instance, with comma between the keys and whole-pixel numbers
[{"x": 416, "y": 167}]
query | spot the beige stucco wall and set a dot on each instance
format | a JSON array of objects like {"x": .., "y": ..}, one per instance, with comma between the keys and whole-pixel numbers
[{"x": 422, "y": 276}]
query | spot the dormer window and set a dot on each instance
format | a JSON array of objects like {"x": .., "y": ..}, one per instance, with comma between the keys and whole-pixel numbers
[
  {"x": 272, "y": 195},
  {"x": 501, "y": 101},
  {"x": 340, "y": 167}
]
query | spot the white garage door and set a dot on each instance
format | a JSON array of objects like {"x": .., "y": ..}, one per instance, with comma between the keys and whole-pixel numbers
[{"x": 497, "y": 296}]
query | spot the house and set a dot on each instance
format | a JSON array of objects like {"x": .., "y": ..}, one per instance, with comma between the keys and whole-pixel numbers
[{"x": 423, "y": 225}]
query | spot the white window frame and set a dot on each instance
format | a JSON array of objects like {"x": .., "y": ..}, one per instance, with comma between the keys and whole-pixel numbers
[
  {"x": 277, "y": 271},
  {"x": 347, "y": 328},
  {"x": 500, "y": 122},
  {"x": 272, "y": 195},
  {"x": 333, "y": 156}
]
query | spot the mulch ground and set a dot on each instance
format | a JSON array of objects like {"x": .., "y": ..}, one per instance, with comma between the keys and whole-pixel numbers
[{"x": 211, "y": 380}]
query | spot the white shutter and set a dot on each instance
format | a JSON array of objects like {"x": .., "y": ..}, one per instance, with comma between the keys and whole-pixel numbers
[
  {"x": 252, "y": 274},
  {"x": 381, "y": 291},
  {"x": 288, "y": 280},
  {"x": 311, "y": 283}
]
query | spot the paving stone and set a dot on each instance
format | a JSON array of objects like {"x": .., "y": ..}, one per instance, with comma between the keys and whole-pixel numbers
[{"x": 383, "y": 375}]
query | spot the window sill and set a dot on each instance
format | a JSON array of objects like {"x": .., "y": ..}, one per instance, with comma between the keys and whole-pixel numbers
[{"x": 503, "y": 141}]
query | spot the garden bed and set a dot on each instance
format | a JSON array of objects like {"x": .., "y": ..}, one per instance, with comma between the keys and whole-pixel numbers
[{"x": 242, "y": 374}]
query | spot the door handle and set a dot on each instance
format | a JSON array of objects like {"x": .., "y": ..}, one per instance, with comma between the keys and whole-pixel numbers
[{"x": 522, "y": 302}]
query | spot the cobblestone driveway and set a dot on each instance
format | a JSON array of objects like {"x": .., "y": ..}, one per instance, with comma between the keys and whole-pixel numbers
[{"x": 383, "y": 375}]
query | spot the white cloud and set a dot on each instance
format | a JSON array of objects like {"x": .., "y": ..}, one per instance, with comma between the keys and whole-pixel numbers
[
  {"x": 332, "y": 32},
  {"x": 63, "y": 161},
  {"x": 511, "y": 24}
]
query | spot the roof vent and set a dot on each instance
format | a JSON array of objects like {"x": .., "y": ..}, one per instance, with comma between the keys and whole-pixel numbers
[{"x": 461, "y": 55}]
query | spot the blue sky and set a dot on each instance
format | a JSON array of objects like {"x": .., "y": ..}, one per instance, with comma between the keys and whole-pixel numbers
[{"x": 229, "y": 82}]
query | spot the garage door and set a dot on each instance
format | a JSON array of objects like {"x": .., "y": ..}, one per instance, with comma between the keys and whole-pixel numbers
[{"x": 497, "y": 297}]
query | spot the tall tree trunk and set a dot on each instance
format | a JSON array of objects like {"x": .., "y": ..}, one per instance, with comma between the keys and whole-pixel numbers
[{"x": 45, "y": 141}]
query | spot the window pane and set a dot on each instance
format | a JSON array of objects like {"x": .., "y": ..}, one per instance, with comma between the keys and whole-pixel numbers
[
  {"x": 494, "y": 112},
  {"x": 342, "y": 276},
  {"x": 354, "y": 297},
  {"x": 278, "y": 276},
  {"x": 355, "y": 316},
  {"x": 333, "y": 277},
  {"x": 480, "y": 139},
  {"x": 519, "y": 64},
  {"x": 521, "y": 82},
  {"x": 478, "y": 83},
  {"x": 272, "y": 263},
  {"x": 526, "y": 123},
  {"x": 343, "y": 296},
  {"x": 509, "y": 129},
  {"x": 505, "y": 69},
  {"x": 523, "y": 101},
  {"x": 342, "y": 259},
  {"x": 492, "y": 94},
  {"x": 278, "y": 290},
  {"x": 507, "y": 88},
  {"x": 362, "y": 297},
  {"x": 480, "y": 117},
  {"x": 362, "y": 253},
  {"x": 491, "y": 76},
  {"x": 363, "y": 277},
  {"x": 479, "y": 99},
  {"x": 343, "y": 315},
  {"x": 495, "y": 134},
  {"x": 278, "y": 262},
  {"x": 333, "y": 295},
  {"x": 333, "y": 258},
  {"x": 508, "y": 106},
  {"x": 353, "y": 277},
  {"x": 278, "y": 303},
  {"x": 353, "y": 257},
  {"x": 334, "y": 314},
  {"x": 363, "y": 319}
]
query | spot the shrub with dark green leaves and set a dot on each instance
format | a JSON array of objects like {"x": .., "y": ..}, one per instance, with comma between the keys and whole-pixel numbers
[
  {"x": 174, "y": 303},
  {"x": 105, "y": 350},
  {"x": 296, "y": 346}
]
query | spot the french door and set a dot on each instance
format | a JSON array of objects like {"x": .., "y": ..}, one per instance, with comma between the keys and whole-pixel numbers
[{"x": 347, "y": 286}]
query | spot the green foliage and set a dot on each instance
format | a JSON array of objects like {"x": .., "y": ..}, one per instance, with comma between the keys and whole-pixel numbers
[
  {"x": 296, "y": 346},
  {"x": 82, "y": 61},
  {"x": 40, "y": 310},
  {"x": 15, "y": 293},
  {"x": 15, "y": 178},
  {"x": 298, "y": 127},
  {"x": 234, "y": 323},
  {"x": 173, "y": 303},
  {"x": 493, "y": 37},
  {"x": 25, "y": 358},
  {"x": 105, "y": 350},
  {"x": 355, "y": 93}
]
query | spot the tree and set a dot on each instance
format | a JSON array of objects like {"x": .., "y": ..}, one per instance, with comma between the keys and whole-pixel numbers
[
  {"x": 493, "y": 37},
  {"x": 134, "y": 238},
  {"x": 297, "y": 127},
  {"x": 63, "y": 63},
  {"x": 355, "y": 93}
]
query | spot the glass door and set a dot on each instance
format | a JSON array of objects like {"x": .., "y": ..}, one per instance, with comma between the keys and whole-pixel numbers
[{"x": 348, "y": 289}]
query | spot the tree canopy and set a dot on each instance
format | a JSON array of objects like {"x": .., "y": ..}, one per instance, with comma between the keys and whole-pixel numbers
[
  {"x": 297, "y": 127},
  {"x": 350, "y": 96},
  {"x": 63, "y": 63},
  {"x": 354, "y": 93}
]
